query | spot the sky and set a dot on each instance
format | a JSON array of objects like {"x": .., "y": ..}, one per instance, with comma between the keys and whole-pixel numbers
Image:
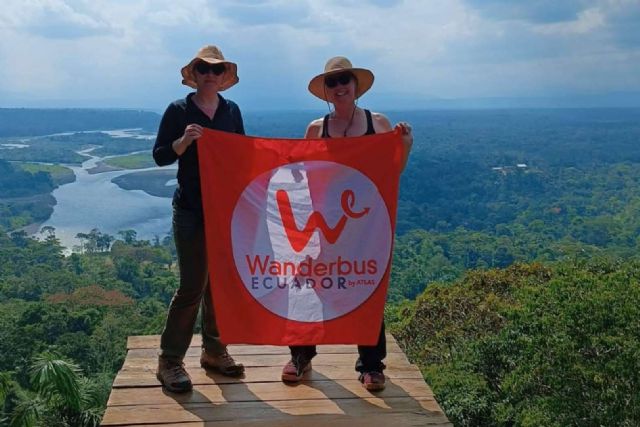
[{"x": 128, "y": 53}]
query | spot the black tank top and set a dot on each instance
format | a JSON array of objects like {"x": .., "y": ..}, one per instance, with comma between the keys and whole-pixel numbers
[{"x": 370, "y": 129}]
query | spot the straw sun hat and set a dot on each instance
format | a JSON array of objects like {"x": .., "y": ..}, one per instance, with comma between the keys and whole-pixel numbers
[
  {"x": 212, "y": 55},
  {"x": 337, "y": 65}
]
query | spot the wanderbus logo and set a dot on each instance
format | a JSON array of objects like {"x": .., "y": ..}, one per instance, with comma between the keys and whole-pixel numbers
[
  {"x": 311, "y": 240},
  {"x": 300, "y": 238}
]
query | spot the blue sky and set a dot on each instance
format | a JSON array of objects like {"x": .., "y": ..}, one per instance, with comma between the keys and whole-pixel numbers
[{"x": 127, "y": 53}]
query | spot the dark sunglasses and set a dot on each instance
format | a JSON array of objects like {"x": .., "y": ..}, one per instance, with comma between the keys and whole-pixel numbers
[
  {"x": 334, "y": 80},
  {"x": 204, "y": 68}
]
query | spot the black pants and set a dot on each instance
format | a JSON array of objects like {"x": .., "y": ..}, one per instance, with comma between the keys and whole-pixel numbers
[
  {"x": 370, "y": 356},
  {"x": 193, "y": 293}
]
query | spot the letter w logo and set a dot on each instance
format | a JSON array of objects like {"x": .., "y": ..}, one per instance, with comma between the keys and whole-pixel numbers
[{"x": 300, "y": 238}]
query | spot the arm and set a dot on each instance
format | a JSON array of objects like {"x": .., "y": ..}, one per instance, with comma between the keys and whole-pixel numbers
[
  {"x": 314, "y": 130},
  {"x": 172, "y": 141},
  {"x": 382, "y": 124},
  {"x": 168, "y": 132},
  {"x": 237, "y": 118},
  {"x": 191, "y": 133}
]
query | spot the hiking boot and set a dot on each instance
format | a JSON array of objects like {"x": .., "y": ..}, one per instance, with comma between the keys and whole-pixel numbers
[
  {"x": 172, "y": 375},
  {"x": 295, "y": 369},
  {"x": 372, "y": 381},
  {"x": 222, "y": 363}
]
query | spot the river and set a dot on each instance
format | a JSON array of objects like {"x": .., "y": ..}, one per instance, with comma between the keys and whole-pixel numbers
[{"x": 93, "y": 201}]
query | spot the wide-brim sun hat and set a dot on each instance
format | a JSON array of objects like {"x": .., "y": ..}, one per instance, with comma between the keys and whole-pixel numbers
[
  {"x": 212, "y": 55},
  {"x": 337, "y": 65}
]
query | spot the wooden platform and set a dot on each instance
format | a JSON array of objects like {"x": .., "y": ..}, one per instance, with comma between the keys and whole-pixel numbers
[{"x": 329, "y": 395}]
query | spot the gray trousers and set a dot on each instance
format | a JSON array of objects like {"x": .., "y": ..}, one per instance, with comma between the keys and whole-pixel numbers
[{"x": 194, "y": 291}]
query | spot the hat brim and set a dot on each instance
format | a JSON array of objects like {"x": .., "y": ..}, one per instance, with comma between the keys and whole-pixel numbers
[
  {"x": 231, "y": 73},
  {"x": 365, "y": 81}
]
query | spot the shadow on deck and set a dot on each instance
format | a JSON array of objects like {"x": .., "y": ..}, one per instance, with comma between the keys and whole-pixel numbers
[{"x": 329, "y": 395}]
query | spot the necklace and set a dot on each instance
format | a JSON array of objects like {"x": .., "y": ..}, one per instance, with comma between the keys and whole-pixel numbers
[{"x": 353, "y": 113}]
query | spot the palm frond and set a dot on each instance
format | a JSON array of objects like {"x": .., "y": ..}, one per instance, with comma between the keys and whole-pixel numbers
[
  {"x": 91, "y": 393},
  {"x": 51, "y": 376},
  {"x": 90, "y": 417},
  {"x": 27, "y": 413},
  {"x": 5, "y": 386}
]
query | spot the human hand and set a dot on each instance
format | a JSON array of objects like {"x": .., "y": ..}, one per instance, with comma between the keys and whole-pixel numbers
[
  {"x": 192, "y": 132},
  {"x": 407, "y": 135},
  {"x": 404, "y": 127},
  {"x": 407, "y": 140}
]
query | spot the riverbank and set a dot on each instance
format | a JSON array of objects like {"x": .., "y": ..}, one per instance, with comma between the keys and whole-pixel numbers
[
  {"x": 101, "y": 167},
  {"x": 60, "y": 175},
  {"x": 131, "y": 161},
  {"x": 28, "y": 213},
  {"x": 160, "y": 183}
]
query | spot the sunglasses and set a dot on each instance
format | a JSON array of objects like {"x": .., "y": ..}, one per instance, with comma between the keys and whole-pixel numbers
[
  {"x": 204, "y": 68},
  {"x": 333, "y": 81}
]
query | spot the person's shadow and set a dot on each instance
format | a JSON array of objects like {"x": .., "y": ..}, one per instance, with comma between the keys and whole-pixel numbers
[
  {"x": 220, "y": 399},
  {"x": 354, "y": 401},
  {"x": 317, "y": 399}
]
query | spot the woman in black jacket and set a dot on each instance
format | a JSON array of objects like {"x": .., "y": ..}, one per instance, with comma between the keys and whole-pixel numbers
[{"x": 181, "y": 126}]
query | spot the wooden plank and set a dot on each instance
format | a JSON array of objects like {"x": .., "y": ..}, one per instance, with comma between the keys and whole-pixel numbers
[
  {"x": 328, "y": 395},
  {"x": 245, "y": 392},
  {"x": 392, "y": 347},
  {"x": 387, "y": 420},
  {"x": 285, "y": 410},
  {"x": 153, "y": 342},
  {"x": 147, "y": 377},
  {"x": 140, "y": 361}
]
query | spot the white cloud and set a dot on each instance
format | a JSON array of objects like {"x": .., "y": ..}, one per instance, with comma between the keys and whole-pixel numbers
[
  {"x": 587, "y": 21},
  {"x": 53, "y": 18},
  {"x": 128, "y": 53}
]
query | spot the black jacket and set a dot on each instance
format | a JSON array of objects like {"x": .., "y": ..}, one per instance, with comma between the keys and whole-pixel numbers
[{"x": 175, "y": 119}]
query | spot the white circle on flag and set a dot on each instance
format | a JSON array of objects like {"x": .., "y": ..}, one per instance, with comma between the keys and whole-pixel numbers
[{"x": 311, "y": 240}]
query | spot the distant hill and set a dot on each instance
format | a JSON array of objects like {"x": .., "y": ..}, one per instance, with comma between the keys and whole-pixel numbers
[
  {"x": 402, "y": 101},
  {"x": 35, "y": 122}
]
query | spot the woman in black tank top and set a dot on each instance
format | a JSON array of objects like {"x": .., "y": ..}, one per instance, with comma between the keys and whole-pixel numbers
[
  {"x": 370, "y": 129},
  {"x": 341, "y": 85}
]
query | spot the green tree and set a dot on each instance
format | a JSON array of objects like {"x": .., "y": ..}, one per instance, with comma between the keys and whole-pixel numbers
[
  {"x": 61, "y": 396},
  {"x": 531, "y": 345}
]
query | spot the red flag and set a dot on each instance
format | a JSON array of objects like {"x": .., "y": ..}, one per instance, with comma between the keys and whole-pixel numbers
[{"x": 299, "y": 235}]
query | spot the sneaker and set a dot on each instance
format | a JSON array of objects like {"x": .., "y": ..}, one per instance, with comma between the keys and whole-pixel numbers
[
  {"x": 372, "y": 381},
  {"x": 222, "y": 363},
  {"x": 295, "y": 369},
  {"x": 172, "y": 375}
]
